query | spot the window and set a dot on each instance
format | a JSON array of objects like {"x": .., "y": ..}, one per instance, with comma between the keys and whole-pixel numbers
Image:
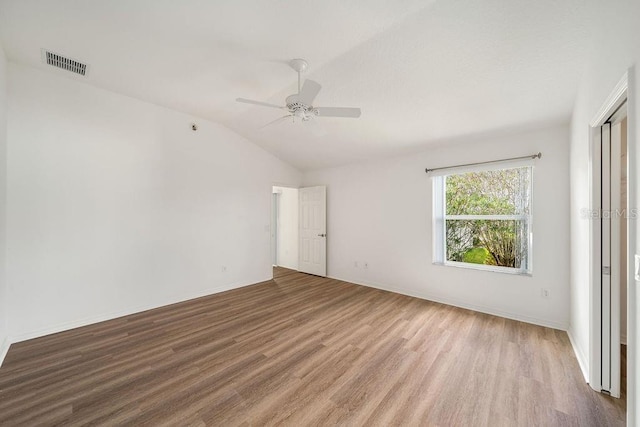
[{"x": 482, "y": 219}]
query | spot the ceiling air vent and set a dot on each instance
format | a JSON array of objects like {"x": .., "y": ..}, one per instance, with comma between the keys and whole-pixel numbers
[{"x": 60, "y": 61}]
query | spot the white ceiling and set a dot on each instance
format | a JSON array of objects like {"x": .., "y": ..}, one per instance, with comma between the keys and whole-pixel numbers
[{"x": 421, "y": 71}]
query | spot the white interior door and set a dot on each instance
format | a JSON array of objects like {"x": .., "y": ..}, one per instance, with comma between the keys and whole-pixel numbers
[
  {"x": 606, "y": 257},
  {"x": 612, "y": 217},
  {"x": 313, "y": 230},
  {"x": 618, "y": 274}
]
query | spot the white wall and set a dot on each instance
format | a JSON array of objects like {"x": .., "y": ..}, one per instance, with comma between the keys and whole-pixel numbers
[
  {"x": 4, "y": 305},
  {"x": 287, "y": 227},
  {"x": 380, "y": 213},
  {"x": 116, "y": 205}
]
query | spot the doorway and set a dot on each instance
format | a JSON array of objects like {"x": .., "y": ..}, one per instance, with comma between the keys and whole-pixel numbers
[
  {"x": 299, "y": 229},
  {"x": 610, "y": 247},
  {"x": 284, "y": 227}
]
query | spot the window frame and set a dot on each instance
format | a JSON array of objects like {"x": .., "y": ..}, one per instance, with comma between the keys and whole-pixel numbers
[{"x": 440, "y": 218}]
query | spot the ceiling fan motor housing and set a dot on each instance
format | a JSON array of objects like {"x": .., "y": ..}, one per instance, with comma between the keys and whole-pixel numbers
[{"x": 297, "y": 108}]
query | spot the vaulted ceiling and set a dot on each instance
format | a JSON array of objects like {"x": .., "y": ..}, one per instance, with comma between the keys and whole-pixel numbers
[{"x": 422, "y": 72}]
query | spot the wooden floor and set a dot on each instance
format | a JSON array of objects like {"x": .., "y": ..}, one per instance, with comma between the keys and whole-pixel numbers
[{"x": 302, "y": 350}]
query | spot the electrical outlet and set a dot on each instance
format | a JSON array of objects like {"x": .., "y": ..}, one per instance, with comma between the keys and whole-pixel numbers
[
  {"x": 544, "y": 293},
  {"x": 366, "y": 265},
  {"x": 223, "y": 269}
]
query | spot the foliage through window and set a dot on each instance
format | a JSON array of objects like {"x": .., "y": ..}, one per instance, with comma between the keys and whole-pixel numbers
[{"x": 485, "y": 219}]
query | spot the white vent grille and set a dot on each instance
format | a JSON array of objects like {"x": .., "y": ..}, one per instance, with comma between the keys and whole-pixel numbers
[{"x": 64, "y": 63}]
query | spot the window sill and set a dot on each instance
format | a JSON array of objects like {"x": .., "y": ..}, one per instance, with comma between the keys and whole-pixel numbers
[{"x": 469, "y": 266}]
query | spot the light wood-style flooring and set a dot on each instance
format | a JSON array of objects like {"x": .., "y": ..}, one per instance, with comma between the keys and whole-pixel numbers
[{"x": 302, "y": 350}]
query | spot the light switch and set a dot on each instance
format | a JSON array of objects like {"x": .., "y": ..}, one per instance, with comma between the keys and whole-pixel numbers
[{"x": 637, "y": 269}]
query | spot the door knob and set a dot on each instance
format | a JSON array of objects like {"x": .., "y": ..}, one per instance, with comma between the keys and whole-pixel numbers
[{"x": 322, "y": 235}]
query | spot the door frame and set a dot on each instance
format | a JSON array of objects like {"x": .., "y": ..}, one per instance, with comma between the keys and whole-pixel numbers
[{"x": 616, "y": 99}]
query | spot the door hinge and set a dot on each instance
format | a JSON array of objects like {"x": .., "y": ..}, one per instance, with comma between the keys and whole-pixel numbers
[{"x": 606, "y": 271}]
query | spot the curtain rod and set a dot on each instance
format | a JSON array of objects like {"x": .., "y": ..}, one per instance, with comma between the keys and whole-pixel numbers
[{"x": 532, "y": 156}]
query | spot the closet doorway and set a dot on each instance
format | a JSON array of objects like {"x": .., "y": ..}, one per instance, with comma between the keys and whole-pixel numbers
[{"x": 610, "y": 259}]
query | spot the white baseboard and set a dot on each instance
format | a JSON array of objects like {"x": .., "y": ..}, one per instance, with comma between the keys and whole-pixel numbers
[
  {"x": 125, "y": 312},
  {"x": 4, "y": 348},
  {"x": 463, "y": 304},
  {"x": 580, "y": 355}
]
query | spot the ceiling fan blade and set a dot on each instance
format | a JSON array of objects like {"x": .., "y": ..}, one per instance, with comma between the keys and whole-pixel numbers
[
  {"x": 337, "y": 112},
  {"x": 309, "y": 92},
  {"x": 264, "y": 104},
  {"x": 279, "y": 119}
]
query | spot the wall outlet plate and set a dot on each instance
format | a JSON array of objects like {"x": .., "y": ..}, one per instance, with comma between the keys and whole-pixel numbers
[{"x": 637, "y": 268}]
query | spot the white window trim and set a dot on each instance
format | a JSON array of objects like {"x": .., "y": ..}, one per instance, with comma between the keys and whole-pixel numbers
[
  {"x": 482, "y": 267},
  {"x": 440, "y": 218}
]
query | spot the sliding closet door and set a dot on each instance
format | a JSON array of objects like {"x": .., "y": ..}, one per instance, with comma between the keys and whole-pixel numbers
[
  {"x": 611, "y": 219},
  {"x": 606, "y": 257}
]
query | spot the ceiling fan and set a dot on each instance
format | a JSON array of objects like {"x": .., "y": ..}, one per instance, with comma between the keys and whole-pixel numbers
[{"x": 300, "y": 105}]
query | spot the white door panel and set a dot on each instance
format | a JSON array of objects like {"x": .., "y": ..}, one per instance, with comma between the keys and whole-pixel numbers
[
  {"x": 313, "y": 230},
  {"x": 606, "y": 257},
  {"x": 616, "y": 239},
  {"x": 611, "y": 241}
]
